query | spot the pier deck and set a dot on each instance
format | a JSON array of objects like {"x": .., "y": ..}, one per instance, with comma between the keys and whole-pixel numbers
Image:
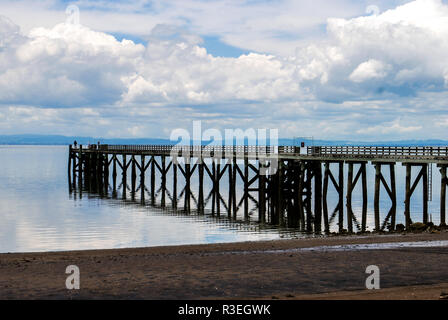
[{"x": 288, "y": 185}]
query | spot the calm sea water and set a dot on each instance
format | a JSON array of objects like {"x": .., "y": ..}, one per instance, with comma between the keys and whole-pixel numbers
[{"x": 38, "y": 213}]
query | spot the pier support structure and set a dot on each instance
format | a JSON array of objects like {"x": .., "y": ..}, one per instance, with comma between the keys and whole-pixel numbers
[{"x": 294, "y": 195}]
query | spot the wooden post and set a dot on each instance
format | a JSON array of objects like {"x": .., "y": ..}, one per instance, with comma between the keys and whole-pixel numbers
[
  {"x": 218, "y": 195},
  {"x": 296, "y": 193},
  {"x": 106, "y": 173},
  {"x": 246, "y": 187},
  {"x": 280, "y": 205},
  {"x": 213, "y": 185},
  {"x": 69, "y": 166},
  {"x": 187, "y": 184},
  {"x": 407, "y": 201},
  {"x": 174, "y": 160},
  {"x": 261, "y": 192},
  {"x": 163, "y": 180},
  {"x": 230, "y": 201},
  {"x": 341, "y": 196},
  {"x": 425, "y": 192},
  {"x": 114, "y": 174},
  {"x": 80, "y": 168},
  {"x": 86, "y": 172},
  {"x": 317, "y": 196},
  {"x": 349, "y": 197},
  {"x": 74, "y": 169},
  {"x": 364, "y": 197},
  {"x": 100, "y": 172},
  {"x": 234, "y": 204},
  {"x": 133, "y": 177},
  {"x": 394, "y": 195},
  {"x": 142, "y": 179},
  {"x": 307, "y": 204},
  {"x": 153, "y": 180},
  {"x": 324, "y": 197},
  {"x": 377, "y": 196},
  {"x": 94, "y": 162},
  {"x": 124, "y": 176},
  {"x": 201, "y": 185},
  {"x": 273, "y": 186},
  {"x": 444, "y": 182}
]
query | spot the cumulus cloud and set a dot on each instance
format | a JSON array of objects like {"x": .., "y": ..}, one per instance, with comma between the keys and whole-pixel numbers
[
  {"x": 371, "y": 65},
  {"x": 372, "y": 69},
  {"x": 374, "y": 56},
  {"x": 389, "y": 127}
]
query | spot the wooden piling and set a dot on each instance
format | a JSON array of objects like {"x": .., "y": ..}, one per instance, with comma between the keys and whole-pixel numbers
[
  {"x": 174, "y": 160},
  {"x": 70, "y": 156},
  {"x": 317, "y": 196},
  {"x": 246, "y": 188},
  {"x": 407, "y": 201},
  {"x": 231, "y": 185},
  {"x": 444, "y": 183},
  {"x": 376, "y": 202},
  {"x": 80, "y": 167},
  {"x": 74, "y": 169},
  {"x": 163, "y": 173},
  {"x": 234, "y": 200},
  {"x": 324, "y": 197},
  {"x": 261, "y": 192},
  {"x": 106, "y": 173},
  {"x": 187, "y": 184},
  {"x": 349, "y": 197},
  {"x": 341, "y": 196},
  {"x": 218, "y": 194},
  {"x": 114, "y": 174},
  {"x": 364, "y": 197},
  {"x": 142, "y": 179},
  {"x": 153, "y": 180},
  {"x": 124, "y": 176},
  {"x": 133, "y": 177},
  {"x": 425, "y": 192},
  {"x": 201, "y": 185},
  {"x": 393, "y": 196},
  {"x": 280, "y": 204}
]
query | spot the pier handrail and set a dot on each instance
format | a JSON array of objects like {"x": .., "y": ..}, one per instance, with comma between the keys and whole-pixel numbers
[
  {"x": 314, "y": 151},
  {"x": 378, "y": 151}
]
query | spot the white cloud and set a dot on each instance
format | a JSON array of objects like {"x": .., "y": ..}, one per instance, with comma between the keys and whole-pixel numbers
[
  {"x": 368, "y": 69},
  {"x": 390, "y": 127},
  {"x": 372, "y": 69}
]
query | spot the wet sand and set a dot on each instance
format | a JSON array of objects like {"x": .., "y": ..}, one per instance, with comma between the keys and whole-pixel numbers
[{"x": 249, "y": 270}]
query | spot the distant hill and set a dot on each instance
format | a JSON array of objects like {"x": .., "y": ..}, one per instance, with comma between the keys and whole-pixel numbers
[{"x": 31, "y": 139}]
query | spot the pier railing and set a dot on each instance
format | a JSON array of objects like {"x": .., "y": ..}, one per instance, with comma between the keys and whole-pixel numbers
[
  {"x": 371, "y": 151},
  {"x": 318, "y": 151}
]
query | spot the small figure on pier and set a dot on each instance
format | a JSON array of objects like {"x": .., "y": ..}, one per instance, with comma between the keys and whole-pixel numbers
[{"x": 75, "y": 143}]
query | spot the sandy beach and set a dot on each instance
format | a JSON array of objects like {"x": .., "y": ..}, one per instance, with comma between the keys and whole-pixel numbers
[{"x": 249, "y": 270}]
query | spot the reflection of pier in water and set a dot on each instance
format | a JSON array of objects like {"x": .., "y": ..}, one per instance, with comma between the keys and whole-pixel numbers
[
  {"x": 271, "y": 185},
  {"x": 229, "y": 223}
]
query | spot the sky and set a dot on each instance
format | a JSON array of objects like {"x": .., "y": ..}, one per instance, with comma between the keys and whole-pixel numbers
[{"x": 334, "y": 69}]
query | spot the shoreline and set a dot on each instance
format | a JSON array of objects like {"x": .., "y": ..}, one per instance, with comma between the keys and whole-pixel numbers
[
  {"x": 280, "y": 244},
  {"x": 245, "y": 270}
]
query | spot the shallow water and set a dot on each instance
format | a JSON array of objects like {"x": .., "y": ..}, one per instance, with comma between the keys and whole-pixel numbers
[{"x": 39, "y": 213}]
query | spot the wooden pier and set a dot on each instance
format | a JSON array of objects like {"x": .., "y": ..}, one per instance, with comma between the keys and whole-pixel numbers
[{"x": 283, "y": 185}]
